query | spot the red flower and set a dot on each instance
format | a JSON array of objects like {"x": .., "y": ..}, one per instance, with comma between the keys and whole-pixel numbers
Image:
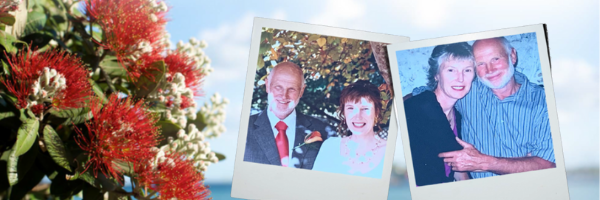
[
  {"x": 48, "y": 79},
  {"x": 121, "y": 131},
  {"x": 173, "y": 177},
  {"x": 179, "y": 62},
  {"x": 131, "y": 27},
  {"x": 315, "y": 136}
]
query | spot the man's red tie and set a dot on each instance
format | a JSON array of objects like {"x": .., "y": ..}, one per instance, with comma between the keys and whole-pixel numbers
[{"x": 282, "y": 143}]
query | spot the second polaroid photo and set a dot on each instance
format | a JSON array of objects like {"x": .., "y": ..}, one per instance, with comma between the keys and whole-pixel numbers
[{"x": 478, "y": 117}]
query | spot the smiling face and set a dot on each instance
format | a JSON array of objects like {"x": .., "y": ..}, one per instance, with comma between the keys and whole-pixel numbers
[
  {"x": 360, "y": 116},
  {"x": 455, "y": 77},
  {"x": 494, "y": 67},
  {"x": 284, "y": 87}
]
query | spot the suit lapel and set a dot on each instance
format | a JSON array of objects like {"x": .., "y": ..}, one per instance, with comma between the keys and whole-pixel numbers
[
  {"x": 302, "y": 125},
  {"x": 266, "y": 139}
]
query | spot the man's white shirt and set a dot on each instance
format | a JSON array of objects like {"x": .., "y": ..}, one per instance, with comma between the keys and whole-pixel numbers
[{"x": 290, "y": 121}]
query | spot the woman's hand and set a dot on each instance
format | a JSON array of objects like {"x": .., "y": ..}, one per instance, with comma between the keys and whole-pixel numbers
[{"x": 469, "y": 159}]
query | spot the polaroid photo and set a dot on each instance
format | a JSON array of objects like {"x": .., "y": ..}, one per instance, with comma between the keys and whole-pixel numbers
[
  {"x": 478, "y": 117},
  {"x": 317, "y": 119}
]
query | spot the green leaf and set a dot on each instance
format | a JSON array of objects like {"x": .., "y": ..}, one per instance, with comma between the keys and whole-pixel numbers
[
  {"x": 334, "y": 55},
  {"x": 268, "y": 36},
  {"x": 67, "y": 113},
  {"x": 145, "y": 85},
  {"x": 64, "y": 189},
  {"x": 36, "y": 21},
  {"x": 200, "y": 122},
  {"x": 92, "y": 193},
  {"x": 261, "y": 64},
  {"x": 101, "y": 181},
  {"x": 156, "y": 106},
  {"x": 56, "y": 148},
  {"x": 112, "y": 67},
  {"x": 7, "y": 19},
  {"x": 384, "y": 96},
  {"x": 27, "y": 134},
  {"x": 124, "y": 167},
  {"x": 98, "y": 91},
  {"x": 7, "y": 41},
  {"x": 5, "y": 67},
  {"x": 37, "y": 40},
  {"x": 18, "y": 166},
  {"x": 168, "y": 129},
  {"x": 313, "y": 37},
  {"x": 220, "y": 156},
  {"x": 11, "y": 99},
  {"x": 264, "y": 47},
  {"x": 30, "y": 180},
  {"x": 122, "y": 89},
  {"x": 11, "y": 168},
  {"x": 8, "y": 114}
]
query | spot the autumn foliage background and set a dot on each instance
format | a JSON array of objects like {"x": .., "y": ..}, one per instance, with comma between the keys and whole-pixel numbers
[
  {"x": 92, "y": 92},
  {"x": 329, "y": 64}
]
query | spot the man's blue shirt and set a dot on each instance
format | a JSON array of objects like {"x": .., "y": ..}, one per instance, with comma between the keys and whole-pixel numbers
[{"x": 508, "y": 128}]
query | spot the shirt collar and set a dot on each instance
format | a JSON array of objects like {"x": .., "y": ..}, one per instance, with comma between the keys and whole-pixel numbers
[
  {"x": 522, "y": 92},
  {"x": 290, "y": 120}
]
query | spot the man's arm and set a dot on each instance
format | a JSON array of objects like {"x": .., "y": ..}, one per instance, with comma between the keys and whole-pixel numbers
[
  {"x": 470, "y": 159},
  {"x": 516, "y": 165}
]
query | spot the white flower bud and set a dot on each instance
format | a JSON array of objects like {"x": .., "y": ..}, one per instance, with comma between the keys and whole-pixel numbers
[
  {"x": 182, "y": 122},
  {"x": 162, "y": 7},
  {"x": 153, "y": 3},
  {"x": 153, "y": 17},
  {"x": 145, "y": 47},
  {"x": 179, "y": 78},
  {"x": 181, "y": 134},
  {"x": 195, "y": 147},
  {"x": 53, "y": 72},
  {"x": 53, "y": 43},
  {"x": 203, "y": 44},
  {"x": 193, "y": 41},
  {"x": 180, "y": 45},
  {"x": 45, "y": 76}
]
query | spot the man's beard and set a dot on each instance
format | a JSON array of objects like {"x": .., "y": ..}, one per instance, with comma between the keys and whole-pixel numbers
[
  {"x": 505, "y": 78},
  {"x": 273, "y": 105}
]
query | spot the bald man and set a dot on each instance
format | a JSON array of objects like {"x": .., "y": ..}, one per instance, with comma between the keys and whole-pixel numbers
[
  {"x": 273, "y": 133},
  {"x": 505, "y": 124}
]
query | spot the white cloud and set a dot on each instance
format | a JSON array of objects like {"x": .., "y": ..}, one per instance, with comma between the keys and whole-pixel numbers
[
  {"x": 576, "y": 92},
  {"x": 339, "y": 13},
  {"x": 576, "y": 89},
  {"x": 424, "y": 14}
]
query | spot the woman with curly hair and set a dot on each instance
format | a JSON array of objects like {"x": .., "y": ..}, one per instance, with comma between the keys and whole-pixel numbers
[{"x": 360, "y": 149}]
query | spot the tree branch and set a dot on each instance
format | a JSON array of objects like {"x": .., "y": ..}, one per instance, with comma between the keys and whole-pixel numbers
[{"x": 87, "y": 41}]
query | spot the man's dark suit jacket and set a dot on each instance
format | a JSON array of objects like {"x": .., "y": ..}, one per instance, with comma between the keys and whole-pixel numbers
[
  {"x": 429, "y": 134},
  {"x": 261, "y": 146}
]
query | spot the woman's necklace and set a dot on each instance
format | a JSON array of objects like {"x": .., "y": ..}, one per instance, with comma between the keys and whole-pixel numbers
[{"x": 363, "y": 158}]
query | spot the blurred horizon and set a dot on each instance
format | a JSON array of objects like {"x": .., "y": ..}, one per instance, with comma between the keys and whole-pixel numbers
[{"x": 573, "y": 29}]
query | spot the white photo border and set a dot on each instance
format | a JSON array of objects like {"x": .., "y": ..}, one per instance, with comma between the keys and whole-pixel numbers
[
  {"x": 539, "y": 184},
  {"x": 261, "y": 181}
]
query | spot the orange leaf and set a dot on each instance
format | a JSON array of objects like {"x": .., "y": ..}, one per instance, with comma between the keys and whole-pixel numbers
[{"x": 321, "y": 42}]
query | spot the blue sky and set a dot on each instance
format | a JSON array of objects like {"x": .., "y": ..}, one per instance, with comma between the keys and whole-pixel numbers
[{"x": 573, "y": 34}]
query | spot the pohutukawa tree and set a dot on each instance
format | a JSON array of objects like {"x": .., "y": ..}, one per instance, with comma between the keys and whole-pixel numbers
[{"x": 93, "y": 97}]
